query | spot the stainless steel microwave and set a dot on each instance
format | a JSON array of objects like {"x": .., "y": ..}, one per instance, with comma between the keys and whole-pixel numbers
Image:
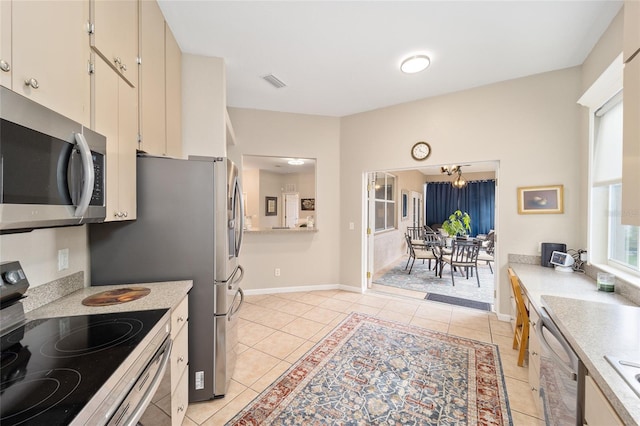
[{"x": 52, "y": 169}]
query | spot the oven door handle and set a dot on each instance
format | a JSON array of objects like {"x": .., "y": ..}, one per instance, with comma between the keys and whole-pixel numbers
[{"x": 146, "y": 399}]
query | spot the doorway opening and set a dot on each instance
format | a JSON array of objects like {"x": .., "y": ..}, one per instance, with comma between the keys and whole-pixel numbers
[{"x": 400, "y": 203}]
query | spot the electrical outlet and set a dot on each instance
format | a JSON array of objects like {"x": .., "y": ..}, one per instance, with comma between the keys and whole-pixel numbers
[
  {"x": 276, "y": 272},
  {"x": 63, "y": 259}
]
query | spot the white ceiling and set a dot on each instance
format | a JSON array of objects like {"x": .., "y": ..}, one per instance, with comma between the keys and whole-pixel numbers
[{"x": 342, "y": 57}]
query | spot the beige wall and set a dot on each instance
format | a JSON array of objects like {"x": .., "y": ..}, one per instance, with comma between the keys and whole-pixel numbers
[
  {"x": 530, "y": 125},
  {"x": 311, "y": 258},
  {"x": 37, "y": 252}
]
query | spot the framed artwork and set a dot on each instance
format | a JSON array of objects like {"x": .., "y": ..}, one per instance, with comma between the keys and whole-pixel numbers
[
  {"x": 271, "y": 206},
  {"x": 540, "y": 199},
  {"x": 307, "y": 204}
]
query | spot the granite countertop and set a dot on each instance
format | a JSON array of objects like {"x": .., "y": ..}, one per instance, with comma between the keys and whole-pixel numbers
[
  {"x": 595, "y": 324},
  {"x": 280, "y": 230},
  {"x": 595, "y": 329},
  {"x": 163, "y": 295}
]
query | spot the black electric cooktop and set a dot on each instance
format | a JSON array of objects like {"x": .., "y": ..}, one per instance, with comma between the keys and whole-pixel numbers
[{"x": 50, "y": 368}]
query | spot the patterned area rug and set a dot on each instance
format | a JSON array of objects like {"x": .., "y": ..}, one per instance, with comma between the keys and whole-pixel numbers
[
  {"x": 370, "y": 371},
  {"x": 424, "y": 280}
]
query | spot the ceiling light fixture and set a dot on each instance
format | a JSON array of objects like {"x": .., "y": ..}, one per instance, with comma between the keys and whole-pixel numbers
[
  {"x": 295, "y": 162},
  {"x": 415, "y": 63}
]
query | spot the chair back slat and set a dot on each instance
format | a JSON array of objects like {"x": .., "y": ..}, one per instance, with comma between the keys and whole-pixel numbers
[
  {"x": 465, "y": 251},
  {"x": 415, "y": 232}
]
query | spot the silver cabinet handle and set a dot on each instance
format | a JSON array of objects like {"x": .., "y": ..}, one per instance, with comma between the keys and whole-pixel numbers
[
  {"x": 4, "y": 66},
  {"x": 32, "y": 82},
  {"x": 180, "y": 319},
  {"x": 117, "y": 60},
  {"x": 123, "y": 67},
  {"x": 180, "y": 359},
  {"x": 180, "y": 408},
  {"x": 125, "y": 214}
]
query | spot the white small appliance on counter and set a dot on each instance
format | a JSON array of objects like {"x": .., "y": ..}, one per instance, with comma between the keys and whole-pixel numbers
[{"x": 563, "y": 261}]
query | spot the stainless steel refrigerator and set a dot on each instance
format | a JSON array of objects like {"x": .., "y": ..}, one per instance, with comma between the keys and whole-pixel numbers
[{"x": 189, "y": 226}]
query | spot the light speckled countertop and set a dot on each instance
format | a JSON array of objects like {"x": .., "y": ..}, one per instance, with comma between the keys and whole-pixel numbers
[
  {"x": 595, "y": 323},
  {"x": 163, "y": 295}
]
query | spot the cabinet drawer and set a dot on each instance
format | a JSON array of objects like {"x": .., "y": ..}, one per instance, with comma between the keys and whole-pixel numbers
[
  {"x": 597, "y": 410},
  {"x": 180, "y": 400},
  {"x": 179, "y": 317},
  {"x": 179, "y": 356},
  {"x": 534, "y": 349}
]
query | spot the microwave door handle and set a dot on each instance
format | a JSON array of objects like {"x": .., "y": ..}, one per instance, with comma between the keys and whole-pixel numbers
[{"x": 87, "y": 167}]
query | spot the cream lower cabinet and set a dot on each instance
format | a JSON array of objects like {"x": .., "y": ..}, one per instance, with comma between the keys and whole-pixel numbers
[
  {"x": 597, "y": 410},
  {"x": 179, "y": 362},
  {"x": 172, "y": 397},
  {"x": 534, "y": 359},
  {"x": 115, "y": 115}
]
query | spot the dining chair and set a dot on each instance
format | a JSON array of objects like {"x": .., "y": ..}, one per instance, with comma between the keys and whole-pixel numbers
[
  {"x": 521, "y": 332},
  {"x": 416, "y": 233},
  {"x": 486, "y": 254},
  {"x": 423, "y": 253},
  {"x": 464, "y": 254}
]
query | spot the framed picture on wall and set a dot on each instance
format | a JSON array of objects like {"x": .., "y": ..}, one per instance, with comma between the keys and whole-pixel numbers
[
  {"x": 271, "y": 206},
  {"x": 405, "y": 205},
  {"x": 540, "y": 199},
  {"x": 307, "y": 204}
]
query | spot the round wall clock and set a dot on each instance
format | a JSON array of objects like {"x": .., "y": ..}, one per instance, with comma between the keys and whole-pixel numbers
[{"x": 421, "y": 151}]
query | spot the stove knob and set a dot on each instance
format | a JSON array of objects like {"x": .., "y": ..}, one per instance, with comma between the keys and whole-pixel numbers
[{"x": 11, "y": 277}]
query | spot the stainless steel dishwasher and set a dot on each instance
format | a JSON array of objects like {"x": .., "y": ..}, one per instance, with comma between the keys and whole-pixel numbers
[{"x": 561, "y": 374}]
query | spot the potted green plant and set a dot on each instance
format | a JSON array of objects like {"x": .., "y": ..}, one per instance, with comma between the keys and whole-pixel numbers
[{"x": 459, "y": 223}]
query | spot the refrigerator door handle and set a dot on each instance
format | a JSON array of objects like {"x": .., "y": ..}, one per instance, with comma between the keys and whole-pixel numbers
[
  {"x": 232, "y": 280},
  {"x": 233, "y": 311},
  {"x": 238, "y": 197}
]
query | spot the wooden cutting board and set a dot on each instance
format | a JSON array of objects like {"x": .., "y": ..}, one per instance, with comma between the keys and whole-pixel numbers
[{"x": 114, "y": 297}]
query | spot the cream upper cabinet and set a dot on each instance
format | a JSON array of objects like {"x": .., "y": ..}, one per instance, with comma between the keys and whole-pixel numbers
[
  {"x": 55, "y": 71},
  {"x": 5, "y": 43},
  {"x": 631, "y": 116},
  {"x": 114, "y": 35},
  {"x": 173, "y": 94},
  {"x": 152, "y": 79},
  {"x": 631, "y": 42},
  {"x": 115, "y": 115}
]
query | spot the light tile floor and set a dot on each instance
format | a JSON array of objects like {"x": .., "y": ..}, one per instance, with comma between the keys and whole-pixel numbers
[{"x": 276, "y": 330}]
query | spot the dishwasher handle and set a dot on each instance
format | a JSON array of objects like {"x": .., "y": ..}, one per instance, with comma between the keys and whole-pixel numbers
[{"x": 546, "y": 322}]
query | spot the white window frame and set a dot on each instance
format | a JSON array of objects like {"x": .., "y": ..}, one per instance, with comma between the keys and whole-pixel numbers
[
  {"x": 387, "y": 202},
  {"x": 603, "y": 89}
]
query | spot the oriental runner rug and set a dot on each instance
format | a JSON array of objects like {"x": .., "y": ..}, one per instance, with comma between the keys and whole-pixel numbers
[{"x": 370, "y": 371}]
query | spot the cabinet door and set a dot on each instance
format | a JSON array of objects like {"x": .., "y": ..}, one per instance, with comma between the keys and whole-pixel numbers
[
  {"x": 57, "y": 67},
  {"x": 631, "y": 28},
  {"x": 631, "y": 144},
  {"x": 115, "y": 35},
  {"x": 127, "y": 145},
  {"x": 114, "y": 106},
  {"x": 5, "y": 44},
  {"x": 105, "y": 121},
  {"x": 152, "y": 79},
  {"x": 173, "y": 90}
]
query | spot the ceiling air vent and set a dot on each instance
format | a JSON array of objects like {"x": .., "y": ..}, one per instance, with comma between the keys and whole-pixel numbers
[{"x": 274, "y": 81}]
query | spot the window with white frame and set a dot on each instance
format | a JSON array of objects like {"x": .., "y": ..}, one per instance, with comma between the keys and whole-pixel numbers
[
  {"x": 612, "y": 243},
  {"x": 385, "y": 202}
]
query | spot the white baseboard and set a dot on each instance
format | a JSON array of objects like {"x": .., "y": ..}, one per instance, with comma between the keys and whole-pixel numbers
[
  {"x": 304, "y": 288},
  {"x": 503, "y": 317}
]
